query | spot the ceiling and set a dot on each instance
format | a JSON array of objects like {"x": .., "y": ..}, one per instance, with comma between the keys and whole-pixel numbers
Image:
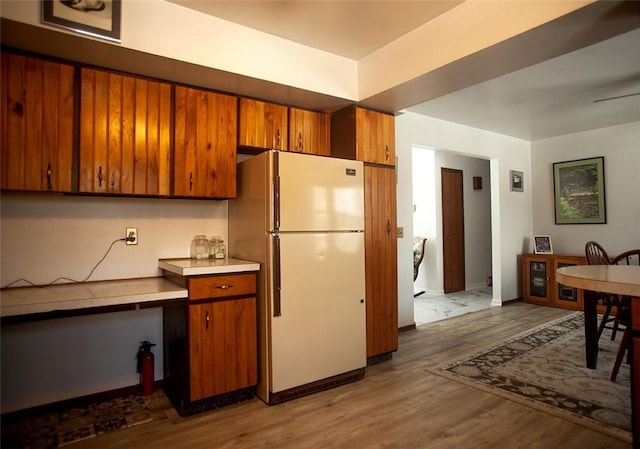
[{"x": 554, "y": 97}]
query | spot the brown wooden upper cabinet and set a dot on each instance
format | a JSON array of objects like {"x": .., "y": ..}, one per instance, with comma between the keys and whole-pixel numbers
[
  {"x": 263, "y": 125},
  {"x": 37, "y": 124},
  {"x": 309, "y": 132},
  {"x": 363, "y": 135},
  {"x": 125, "y": 129},
  {"x": 205, "y": 146}
]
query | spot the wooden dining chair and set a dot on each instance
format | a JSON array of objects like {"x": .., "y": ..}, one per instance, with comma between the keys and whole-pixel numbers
[
  {"x": 596, "y": 255},
  {"x": 623, "y": 313}
]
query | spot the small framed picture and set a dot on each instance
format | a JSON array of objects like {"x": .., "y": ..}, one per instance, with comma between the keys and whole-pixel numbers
[
  {"x": 516, "y": 180},
  {"x": 542, "y": 244},
  {"x": 97, "y": 18}
]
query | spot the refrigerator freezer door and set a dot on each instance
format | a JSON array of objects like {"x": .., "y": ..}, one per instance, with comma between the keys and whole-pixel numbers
[
  {"x": 319, "y": 193},
  {"x": 321, "y": 330}
]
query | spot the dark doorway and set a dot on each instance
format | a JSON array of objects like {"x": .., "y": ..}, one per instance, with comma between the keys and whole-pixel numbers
[{"x": 453, "y": 230}]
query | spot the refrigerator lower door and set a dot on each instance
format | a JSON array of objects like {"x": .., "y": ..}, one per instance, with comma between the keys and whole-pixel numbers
[{"x": 320, "y": 331}]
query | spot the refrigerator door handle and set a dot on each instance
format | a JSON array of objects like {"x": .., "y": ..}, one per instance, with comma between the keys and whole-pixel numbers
[
  {"x": 276, "y": 192},
  {"x": 277, "y": 311}
]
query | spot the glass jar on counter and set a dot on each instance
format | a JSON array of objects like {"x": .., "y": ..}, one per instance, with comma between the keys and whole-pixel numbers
[
  {"x": 217, "y": 248},
  {"x": 200, "y": 247}
]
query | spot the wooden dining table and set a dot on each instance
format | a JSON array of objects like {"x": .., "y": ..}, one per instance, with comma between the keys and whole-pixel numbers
[{"x": 617, "y": 279}]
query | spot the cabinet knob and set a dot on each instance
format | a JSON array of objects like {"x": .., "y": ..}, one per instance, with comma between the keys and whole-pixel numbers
[
  {"x": 49, "y": 176},
  {"x": 388, "y": 227},
  {"x": 206, "y": 320}
]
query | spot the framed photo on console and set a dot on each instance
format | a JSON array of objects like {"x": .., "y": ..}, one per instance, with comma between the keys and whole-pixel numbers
[
  {"x": 97, "y": 18},
  {"x": 542, "y": 244}
]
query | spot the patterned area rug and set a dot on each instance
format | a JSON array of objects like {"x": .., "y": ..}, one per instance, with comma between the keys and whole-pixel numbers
[
  {"x": 55, "y": 430},
  {"x": 544, "y": 368}
]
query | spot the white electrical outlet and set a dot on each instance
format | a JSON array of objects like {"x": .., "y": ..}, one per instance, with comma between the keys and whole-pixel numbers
[{"x": 132, "y": 236}]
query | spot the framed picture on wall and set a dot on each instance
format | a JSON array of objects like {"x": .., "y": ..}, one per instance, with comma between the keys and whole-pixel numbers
[
  {"x": 516, "y": 180},
  {"x": 97, "y": 18},
  {"x": 542, "y": 244},
  {"x": 578, "y": 190}
]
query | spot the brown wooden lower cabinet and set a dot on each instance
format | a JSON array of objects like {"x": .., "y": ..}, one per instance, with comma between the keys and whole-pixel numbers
[
  {"x": 211, "y": 343},
  {"x": 539, "y": 281}
]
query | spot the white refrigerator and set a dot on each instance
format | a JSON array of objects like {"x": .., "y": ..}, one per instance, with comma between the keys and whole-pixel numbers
[{"x": 302, "y": 217}]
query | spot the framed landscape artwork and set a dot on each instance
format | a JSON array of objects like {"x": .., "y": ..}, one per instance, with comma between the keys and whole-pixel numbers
[
  {"x": 578, "y": 188},
  {"x": 97, "y": 18}
]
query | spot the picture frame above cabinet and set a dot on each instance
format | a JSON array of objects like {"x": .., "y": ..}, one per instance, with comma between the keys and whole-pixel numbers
[
  {"x": 37, "y": 125},
  {"x": 125, "y": 129}
]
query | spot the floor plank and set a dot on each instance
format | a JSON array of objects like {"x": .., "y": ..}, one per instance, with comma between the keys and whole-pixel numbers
[{"x": 397, "y": 405}]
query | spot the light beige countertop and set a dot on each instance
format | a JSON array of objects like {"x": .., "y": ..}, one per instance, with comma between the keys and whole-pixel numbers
[
  {"x": 193, "y": 267},
  {"x": 19, "y": 301},
  {"x": 28, "y": 300}
]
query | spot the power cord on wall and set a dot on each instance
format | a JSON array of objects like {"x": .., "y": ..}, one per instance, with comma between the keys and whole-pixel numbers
[{"x": 65, "y": 278}]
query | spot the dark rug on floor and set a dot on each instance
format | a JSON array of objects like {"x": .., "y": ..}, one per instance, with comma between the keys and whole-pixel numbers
[
  {"x": 545, "y": 368},
  {"x": 58, "y": 429}
]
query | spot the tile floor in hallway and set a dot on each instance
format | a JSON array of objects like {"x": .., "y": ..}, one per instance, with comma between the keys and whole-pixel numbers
[{"x": 429, "y": 308}]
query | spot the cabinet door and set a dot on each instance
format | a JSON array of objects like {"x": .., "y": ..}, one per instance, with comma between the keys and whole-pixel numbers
[
  {"x": 537, "y": 285},
  {"x": 37, "y": 124},
  {"x": 124, "y": 134},
  {"x": 205, "y": 144},
  {"x": 222, "y": 347},
  {"x": 262, "y": 125},
  {"x": 566, "y": 297},
  {"x": 375, "y": 137},
  {"x": 309, "y": 132},
  {"x": 381, "y": 260}
]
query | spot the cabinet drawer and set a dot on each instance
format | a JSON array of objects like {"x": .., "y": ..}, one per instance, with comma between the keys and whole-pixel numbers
[{"x": 221, "y": 286}]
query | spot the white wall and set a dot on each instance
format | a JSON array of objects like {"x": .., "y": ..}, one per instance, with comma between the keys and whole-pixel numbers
[
  {"x": 620, "y": 146},
  {"x": 170, "y": 30},
  {"x": 427, "y": 218},
  {"x": 44, "y": 237},
  {"x": 510, "y": 211}
]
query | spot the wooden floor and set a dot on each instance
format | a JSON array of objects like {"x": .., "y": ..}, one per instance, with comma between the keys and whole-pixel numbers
[{"x": 397, "y": 405}]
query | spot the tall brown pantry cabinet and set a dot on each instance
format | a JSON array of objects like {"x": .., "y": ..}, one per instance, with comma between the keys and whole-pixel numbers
[{"x": 369, "y": 136}]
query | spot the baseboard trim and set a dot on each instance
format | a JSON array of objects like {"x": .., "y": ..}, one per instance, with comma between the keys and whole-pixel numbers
[
  {"x": 80, "y": 401},
  {"x": 409, "y": 327}
]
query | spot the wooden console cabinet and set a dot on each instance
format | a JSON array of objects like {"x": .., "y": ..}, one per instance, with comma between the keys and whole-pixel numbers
[
  {"x": 539, "y": 281},
  {"x": 211, "y": 342}
]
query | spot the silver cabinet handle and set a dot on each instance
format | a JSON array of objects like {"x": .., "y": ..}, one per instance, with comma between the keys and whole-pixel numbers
[{"x": 206, "y": 320}]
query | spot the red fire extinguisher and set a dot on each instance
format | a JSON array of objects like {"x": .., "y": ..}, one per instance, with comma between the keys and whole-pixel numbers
[{"x": 145, "y": 368}]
